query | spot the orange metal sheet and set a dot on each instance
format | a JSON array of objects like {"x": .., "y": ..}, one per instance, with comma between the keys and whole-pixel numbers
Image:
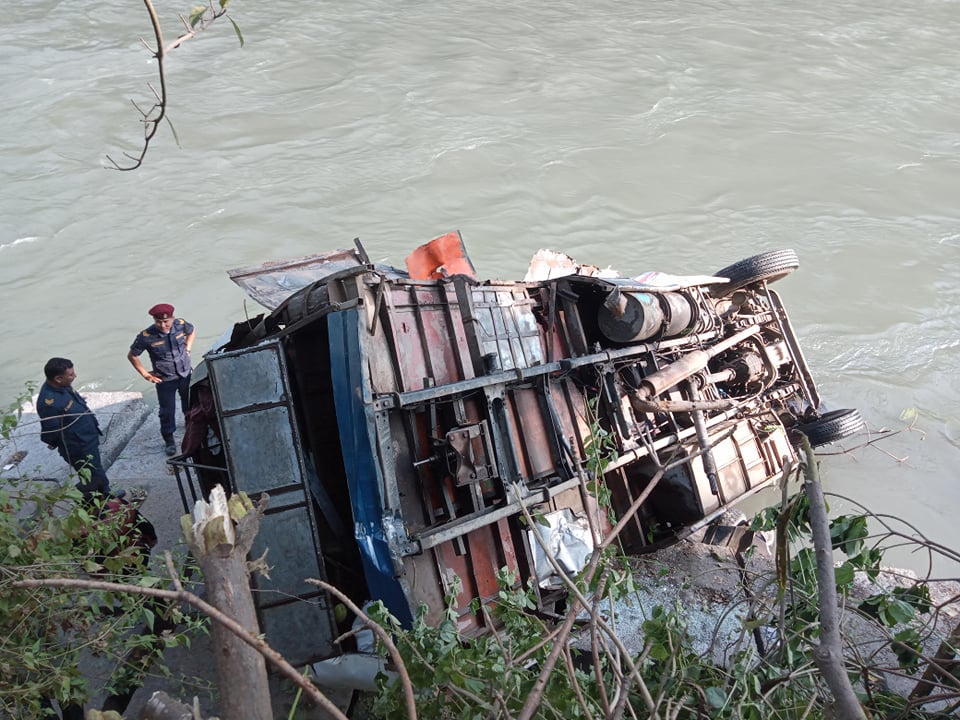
[{"x": 440, "y": 258}]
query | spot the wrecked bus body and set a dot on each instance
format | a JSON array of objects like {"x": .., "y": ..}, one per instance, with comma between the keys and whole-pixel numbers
[{"x": 406, "y": 424}]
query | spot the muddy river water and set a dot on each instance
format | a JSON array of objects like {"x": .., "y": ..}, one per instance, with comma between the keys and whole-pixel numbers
[{"x": 674, "y": 136}]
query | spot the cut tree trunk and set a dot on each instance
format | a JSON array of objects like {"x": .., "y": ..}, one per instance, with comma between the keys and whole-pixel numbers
[{"x": 220, "y": 539}]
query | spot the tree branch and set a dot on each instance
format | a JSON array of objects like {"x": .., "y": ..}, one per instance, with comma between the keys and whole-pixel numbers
[
  {"x": 229, "y": 623},
  {"x": 384, "y": 638},
  {"x": 152, "y": 118},
  {"x": 828, "y": 655}
]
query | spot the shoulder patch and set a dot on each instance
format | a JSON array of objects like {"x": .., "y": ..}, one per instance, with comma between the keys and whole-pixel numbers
[
  {"x": 146, "y": 333},
  {"x": 48, "y": 401}
]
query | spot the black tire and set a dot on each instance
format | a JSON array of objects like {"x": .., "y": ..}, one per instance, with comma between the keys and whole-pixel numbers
[
  {"x": 769, "y": 266},
  {"x": 832, "y": 426}
]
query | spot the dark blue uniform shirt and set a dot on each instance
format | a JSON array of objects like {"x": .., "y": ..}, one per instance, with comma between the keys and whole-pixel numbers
[
  {"x": 168, "y": 353},
  {"x": 65, "y": 420}
]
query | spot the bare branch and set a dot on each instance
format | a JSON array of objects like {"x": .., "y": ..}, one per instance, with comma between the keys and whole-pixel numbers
[
  {"x": 828, "y": 655},
  {"x": 213, "y": 613},
  {"x": 157, "y": 113},
  {"x": 384, "y": 638}
]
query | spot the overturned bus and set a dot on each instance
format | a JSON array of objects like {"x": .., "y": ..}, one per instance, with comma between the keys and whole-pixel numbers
[{"x": 407, "y": 423}]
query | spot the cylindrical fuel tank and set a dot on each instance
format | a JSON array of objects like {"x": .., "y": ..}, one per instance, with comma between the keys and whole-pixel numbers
[
  {"x": 635, "y": 316},
  {"x": 680, "y": 313}
]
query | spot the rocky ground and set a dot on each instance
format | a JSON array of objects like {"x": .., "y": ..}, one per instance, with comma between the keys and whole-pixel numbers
[{"x": 704, "y": 580}]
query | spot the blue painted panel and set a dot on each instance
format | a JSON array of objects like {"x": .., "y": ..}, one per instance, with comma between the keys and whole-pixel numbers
[
  {"x": 263, "y": 454},
  {"x": 358, "y": 444},
  {"x": 262, "y": 451},
  {"x": 248, "y": 379}
]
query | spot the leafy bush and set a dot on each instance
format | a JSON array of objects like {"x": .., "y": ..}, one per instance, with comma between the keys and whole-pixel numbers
[{"x": 48, "y": 634}]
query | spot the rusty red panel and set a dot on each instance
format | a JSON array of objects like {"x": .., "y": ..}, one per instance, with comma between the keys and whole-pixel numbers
[
  {"x": 488, "y": 549},
  {"x": 506, "y": 544},
  {"x": 449, "y": 561},
  {"x": 531, "y": 436},
  {"x": 485, "y": 560},
  {"x": 412, "y": 363},
  {"x": 428, "y": 336},
  {"x": 571, "y": 406}
]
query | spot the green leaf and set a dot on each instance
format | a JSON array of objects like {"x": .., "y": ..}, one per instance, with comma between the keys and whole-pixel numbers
[
  {"x": 899, "y": 612},
  {"x": 659, "y": 652},
  {"x": 908, "y": 647},
  {"x": 844, "y": 575},
  {"x": 848, "y": 532},
  {"x": 716, "y": 697},
  {"x": 236, "y": 29},
  {"x": 916, "y": 596},
  {"x": 196, "y": 14},
  {"x": 766, "y": 519},
  {"x": 475, "y": 686}
]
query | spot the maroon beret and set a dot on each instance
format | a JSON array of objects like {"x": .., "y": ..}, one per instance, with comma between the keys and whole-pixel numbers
[{"x": 161, "y": 311}]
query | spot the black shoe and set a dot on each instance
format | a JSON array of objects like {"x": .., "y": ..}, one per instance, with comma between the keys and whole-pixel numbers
[{"x": 170, "y": 448}]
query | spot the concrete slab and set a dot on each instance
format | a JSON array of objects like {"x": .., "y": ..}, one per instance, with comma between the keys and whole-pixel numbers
[
  {"x": 120, "y": 415},
  {"x": 143, "y": 463}
]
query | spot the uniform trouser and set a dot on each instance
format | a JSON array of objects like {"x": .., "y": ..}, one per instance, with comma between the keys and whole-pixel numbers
[
  {"x": 167, "y": 395},
  {"x": 87, "y": 459}
]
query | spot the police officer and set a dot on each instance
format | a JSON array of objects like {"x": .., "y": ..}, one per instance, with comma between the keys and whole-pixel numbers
[
  {"x": 167, "y": 342},
  {"x": 67, "y": 424}
]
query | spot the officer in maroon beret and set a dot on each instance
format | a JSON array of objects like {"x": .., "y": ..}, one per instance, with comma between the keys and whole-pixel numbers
[{"x": 167, "y": 342}]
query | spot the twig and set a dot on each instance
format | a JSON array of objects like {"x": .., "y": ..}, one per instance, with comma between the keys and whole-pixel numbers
[{"x": 384, "y": 638}]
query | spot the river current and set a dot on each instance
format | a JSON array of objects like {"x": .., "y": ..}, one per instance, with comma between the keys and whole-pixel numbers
[{"x": 676, "y": 136}]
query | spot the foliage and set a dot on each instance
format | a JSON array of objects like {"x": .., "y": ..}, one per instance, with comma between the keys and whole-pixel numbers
[
  {"x": 601, "y": 450},
  {"x": 10, "y": 417},
  {"x": 50, "y": 531},
  {"x": 486, "y": 677},
  {"x": 493, "y": 675}
]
